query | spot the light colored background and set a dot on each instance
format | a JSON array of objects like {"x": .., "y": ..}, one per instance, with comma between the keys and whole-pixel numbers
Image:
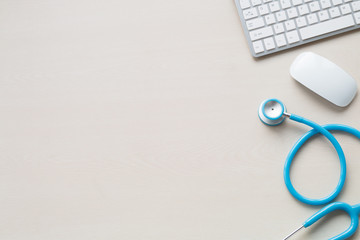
[{"x": 137, "y": 120}]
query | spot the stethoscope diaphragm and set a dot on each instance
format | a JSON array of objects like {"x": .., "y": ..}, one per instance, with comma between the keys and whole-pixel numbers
[{"x": 271, "y": 112}]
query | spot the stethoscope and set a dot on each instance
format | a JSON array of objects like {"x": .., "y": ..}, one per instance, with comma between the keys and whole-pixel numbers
[{"x": 272, "y": 112}]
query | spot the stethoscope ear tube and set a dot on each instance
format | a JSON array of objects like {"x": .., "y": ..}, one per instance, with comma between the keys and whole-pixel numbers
[
  {"x": 324, "y": 130},
  {"x": 350, "y": 210}
]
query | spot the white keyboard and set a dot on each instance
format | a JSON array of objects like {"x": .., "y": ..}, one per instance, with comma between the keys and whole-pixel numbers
[{"x": 274, "y": 25}]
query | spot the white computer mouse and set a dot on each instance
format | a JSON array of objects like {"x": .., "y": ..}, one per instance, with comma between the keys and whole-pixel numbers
[{"x": 324, "y": 77}]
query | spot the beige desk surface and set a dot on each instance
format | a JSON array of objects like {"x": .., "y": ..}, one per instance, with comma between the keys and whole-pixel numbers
[{"x": 137, "y": 120}]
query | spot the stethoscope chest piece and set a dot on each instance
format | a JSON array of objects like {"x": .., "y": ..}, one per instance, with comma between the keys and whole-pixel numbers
[{"x": 271, "y": 112}]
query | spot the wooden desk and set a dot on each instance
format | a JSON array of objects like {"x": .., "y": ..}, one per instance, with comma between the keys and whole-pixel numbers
[{"x": 137, "y": 120}]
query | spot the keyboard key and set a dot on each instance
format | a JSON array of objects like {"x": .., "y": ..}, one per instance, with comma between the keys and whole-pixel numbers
[
  {"x": 281, "y": 16},
  {"x": 336, "y": 2},
  {"x": 296, "y": 2},
  {"x": 325, "y": 4},
  {"x": 274, "y": 6},
  {"x": 258, "y": 47},
  {"x": 285, "y": 4},
  {"x": 314, "y": 6},
  {"x": 255, "y": 23},
  {"x": 263, "y": 9},
  {"x": 244, "y": 4},
  {"x": 280, "y": 40},
  {"x": 301, "y": 21},
  {"x": 303, "y": 9},
  {"x": 261, "y": 33},
  {"x": 269, "y": 43},
  {"x": 270, "y": 19},
  {"x": 292, "y": 36},
  {"x": 334, "y": 12},
  {"x": 290, "y": 25},
  {"x": 356, "y": 6},
  {"x": 250, "y": 13},
  {"x": 292, "y": 13},
  {"x": 255, "y": 2},
  {"x": 323, "y": 15},
  {"x": 312, "y": 18},
  {"x": 279, "y": 28},
  {"x": 357, "y": 17},
  {"x": 345, "y": 9},
  {"x": 327, "y": 27}
]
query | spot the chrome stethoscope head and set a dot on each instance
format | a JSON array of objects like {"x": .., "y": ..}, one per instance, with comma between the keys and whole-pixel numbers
[{"x": 272, "y": 112}]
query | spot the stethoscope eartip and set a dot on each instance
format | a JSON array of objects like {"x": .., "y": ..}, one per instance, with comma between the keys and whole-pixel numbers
[{"x": 271, "y": 112}]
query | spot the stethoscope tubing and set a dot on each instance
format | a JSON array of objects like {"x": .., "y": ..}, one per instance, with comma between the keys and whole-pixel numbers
[
  {"x": 324, "y": 130},
  {"x": 277, "y": 114}
]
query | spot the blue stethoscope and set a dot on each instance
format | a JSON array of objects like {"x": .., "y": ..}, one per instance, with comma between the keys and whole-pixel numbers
[{"x": 272, "y": 112}]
